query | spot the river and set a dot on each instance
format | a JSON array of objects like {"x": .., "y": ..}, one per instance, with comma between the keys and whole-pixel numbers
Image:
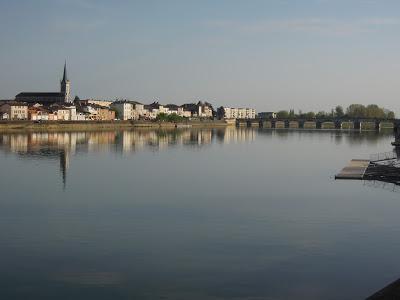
[{"x": 194, "y": 214}]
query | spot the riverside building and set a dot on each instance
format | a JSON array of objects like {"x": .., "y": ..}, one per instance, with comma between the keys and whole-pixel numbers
[{"x": 236, "y": 113}]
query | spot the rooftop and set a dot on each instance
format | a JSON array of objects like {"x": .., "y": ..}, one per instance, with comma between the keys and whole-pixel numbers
[{"x": 40, "y": 94}]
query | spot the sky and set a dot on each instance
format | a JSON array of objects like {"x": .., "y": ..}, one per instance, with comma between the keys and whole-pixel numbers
[{"x": 267, "y": 54}]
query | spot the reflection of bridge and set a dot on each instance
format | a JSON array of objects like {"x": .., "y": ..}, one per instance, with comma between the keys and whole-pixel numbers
[{"x": 322, "y": 123}]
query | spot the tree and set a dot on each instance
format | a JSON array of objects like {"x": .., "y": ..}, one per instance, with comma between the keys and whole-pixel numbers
[
  {"x": 175, "y": 118},
  {"x": 220, "y": 112},
  {"x": 282, "y": 114},
  {"x": 339, "y": 113},
  {"x": 356, "y": 111},
  {"x": 390, "y": 115},
  {"x": 310, "y": 115},
  {"x": 321, "y": 114},
  {"x": 163, "y": 117}
]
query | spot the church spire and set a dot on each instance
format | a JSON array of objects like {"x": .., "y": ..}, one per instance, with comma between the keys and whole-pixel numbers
[
  {"x": 65, "y": 72},
  {"x": 65, "y": 85}
]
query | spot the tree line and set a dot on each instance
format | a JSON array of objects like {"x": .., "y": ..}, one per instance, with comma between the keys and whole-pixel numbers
[{"x": 371, "y": 111}]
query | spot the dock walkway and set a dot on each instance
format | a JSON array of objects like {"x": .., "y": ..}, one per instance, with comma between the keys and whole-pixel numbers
[{"x": 354, "y": 170}]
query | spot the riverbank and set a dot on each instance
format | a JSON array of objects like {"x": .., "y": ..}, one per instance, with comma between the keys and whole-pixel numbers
[
  {"x": 35, "y": 126},
  {"x": 22, "y": 126}
]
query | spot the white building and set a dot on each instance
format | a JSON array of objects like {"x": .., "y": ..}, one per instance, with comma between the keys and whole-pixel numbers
[
  {"x": 124, "y": 110},
  {"x": 62, "y": 114},
  {"x": 178, "y": 110},
  {"x": 15, "y": 110},
  {"x": 237, "y": 113},
  {"x": 204, "y": 110},
  {"x": 65, "y": 113},
  {"x": 72, "y": 112}
]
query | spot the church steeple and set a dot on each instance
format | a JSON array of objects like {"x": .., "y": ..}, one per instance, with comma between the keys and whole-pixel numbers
[
  {"x": 65, "y": 78},
  {"x": 65, "y": 85}
]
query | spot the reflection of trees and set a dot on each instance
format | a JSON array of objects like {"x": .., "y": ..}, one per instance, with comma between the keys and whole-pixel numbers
[
  {"x": 339, "y": 136},
  {"x": 369, "y": 137}
]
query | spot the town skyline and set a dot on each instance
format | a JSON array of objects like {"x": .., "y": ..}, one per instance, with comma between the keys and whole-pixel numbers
[
  {"x": 65, "y": 97},
  {"x": 270, "y": 55}
]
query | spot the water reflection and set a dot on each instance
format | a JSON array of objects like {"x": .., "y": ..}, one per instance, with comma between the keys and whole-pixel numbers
[
  {"x": 62, "y": 146},
  {"x": 258, "y": 218}
]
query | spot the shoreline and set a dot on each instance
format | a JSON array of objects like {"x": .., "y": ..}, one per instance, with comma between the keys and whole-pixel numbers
[
  {"x": 29, "y": 126},
  {"x": 54, "y": 126}
]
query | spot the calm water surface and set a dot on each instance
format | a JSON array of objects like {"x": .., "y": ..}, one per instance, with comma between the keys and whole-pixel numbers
[{"x": 193, "y": 214}]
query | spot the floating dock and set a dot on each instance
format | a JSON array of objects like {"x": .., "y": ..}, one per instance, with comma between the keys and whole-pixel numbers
[{"x": 354, "y": 170}]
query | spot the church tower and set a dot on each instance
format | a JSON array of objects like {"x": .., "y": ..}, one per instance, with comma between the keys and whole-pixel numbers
[{"x": 65, "y": 86}]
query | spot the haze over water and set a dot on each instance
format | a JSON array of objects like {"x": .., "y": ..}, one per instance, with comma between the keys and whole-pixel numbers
[{"x": 193, "y": 214}]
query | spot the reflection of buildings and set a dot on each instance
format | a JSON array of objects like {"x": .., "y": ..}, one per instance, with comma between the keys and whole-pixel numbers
[
  {"x": 63, "y": 146},
  {"x": 233, "y": 134}
]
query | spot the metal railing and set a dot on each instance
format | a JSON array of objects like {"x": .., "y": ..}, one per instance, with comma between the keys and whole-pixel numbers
[{"x": 384, "y": 156}]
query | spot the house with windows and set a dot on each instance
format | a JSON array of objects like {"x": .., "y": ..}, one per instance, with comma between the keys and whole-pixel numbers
[
  {"x": 15, "y": 110},
  {"x": 236, "y": 113}
]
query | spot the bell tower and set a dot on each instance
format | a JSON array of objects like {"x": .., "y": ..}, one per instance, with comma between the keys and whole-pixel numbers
[{"x": 65, "y": 85}]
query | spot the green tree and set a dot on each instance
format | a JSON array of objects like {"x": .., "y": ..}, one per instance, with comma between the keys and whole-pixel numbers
[
  {"x": 356, "y": 111},
  {"x": 310, "y": 115},
  {"x": 163, "y": 117},
  {"x": 282, "y": 114},
  {"x": 339, "y": 113},
  {"x": 175, "y": 118},
  {"x": 374, "y": 111},
  {"x": 390, "y": 115}
]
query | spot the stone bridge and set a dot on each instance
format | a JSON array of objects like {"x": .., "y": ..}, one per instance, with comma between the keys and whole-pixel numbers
[{"x": 325, "y": 123}]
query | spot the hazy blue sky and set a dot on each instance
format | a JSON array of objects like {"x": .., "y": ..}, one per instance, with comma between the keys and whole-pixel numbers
[{"x": 266, "y": 54}]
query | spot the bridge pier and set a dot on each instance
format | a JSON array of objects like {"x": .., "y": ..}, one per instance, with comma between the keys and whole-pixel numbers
[
  {"x": 310, "y": 125},
  {"x": 266, "y": 124},
  {"x": 293, "y": 124},
  {"x": 347, "y": 125},
  {"x": 280, "y": 124},
  {"x": 396, "y": 130},
  {"x": 367, "y": 125},
  {"x": 327, "y": 125},
  {"x": 378, "y": 125}
]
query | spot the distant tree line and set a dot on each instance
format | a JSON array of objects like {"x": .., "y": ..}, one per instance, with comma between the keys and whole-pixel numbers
[{"x": 372, "y": 111}]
